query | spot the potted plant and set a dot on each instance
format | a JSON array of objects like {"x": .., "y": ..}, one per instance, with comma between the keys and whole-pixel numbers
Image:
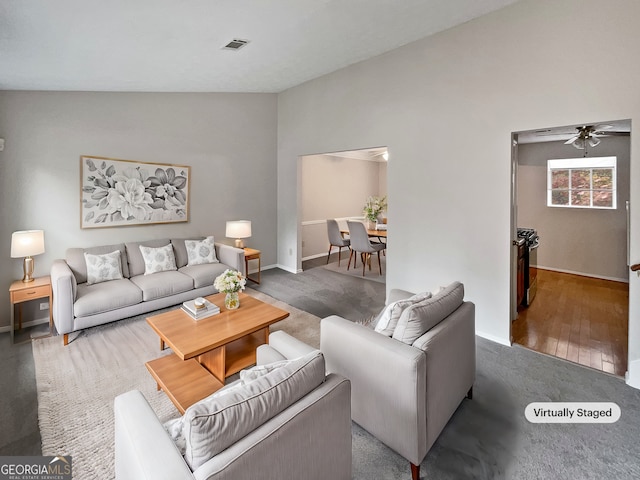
[{"x": 374, "y": 207}]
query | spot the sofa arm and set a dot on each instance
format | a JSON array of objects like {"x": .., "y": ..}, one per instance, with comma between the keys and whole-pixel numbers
[
  {"x": 231, "y": 256},
  {"x": 63, "y": 288},
  {"x": 388, "y": 383},
  {"x": 450, "y": 348},
  {"x": 396, "y": 294},
  {"x": 282, "y": 346},
  {"x": 144, "y": 449}
]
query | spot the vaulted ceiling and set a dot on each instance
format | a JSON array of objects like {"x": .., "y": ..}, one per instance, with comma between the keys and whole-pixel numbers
[{"x": 173, "y": 46}]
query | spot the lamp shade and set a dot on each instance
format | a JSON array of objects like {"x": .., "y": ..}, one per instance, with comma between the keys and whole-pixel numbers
[
  {"x": 239, "y": 229},
  {"x": 27, "y": 243}
]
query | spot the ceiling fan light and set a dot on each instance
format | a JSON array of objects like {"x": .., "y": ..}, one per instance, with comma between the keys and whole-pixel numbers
[
  {"x": 579, "y": 143},
  {"x": 594, "y": 141}
]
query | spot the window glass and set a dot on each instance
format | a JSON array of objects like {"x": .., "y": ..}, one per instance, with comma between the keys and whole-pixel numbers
[{"x": 582, "y": 182}]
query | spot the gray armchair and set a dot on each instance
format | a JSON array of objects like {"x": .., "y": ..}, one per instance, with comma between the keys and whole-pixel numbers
[
  {"x": 310, "y": 439},
  {"x": 404, "y": 394},
  {"x": 336, "y": 239}
]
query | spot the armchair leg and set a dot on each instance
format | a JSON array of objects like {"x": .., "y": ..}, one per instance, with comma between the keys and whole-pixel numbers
[
  {"x": 470, "y": 393},
  {"x": 349, "y": 264},
  {"x": 329, "y": 254},
  {"x": 415, "y": 472}
]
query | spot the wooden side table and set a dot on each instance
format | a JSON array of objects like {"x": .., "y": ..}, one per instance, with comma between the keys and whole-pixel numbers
[
  {"x": 252, "y": 254},
  {"x": 23, "y": 292}
]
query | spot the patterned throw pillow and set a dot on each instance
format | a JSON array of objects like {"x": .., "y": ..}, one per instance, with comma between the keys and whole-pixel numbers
[
  {"x": 102, "y": 268},
  {"x": 201, "y": 251},
  {"x": 159, "y": 259}
]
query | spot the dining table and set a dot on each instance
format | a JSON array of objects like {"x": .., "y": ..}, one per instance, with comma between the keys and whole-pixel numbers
[{"x": 371, "y": 233}]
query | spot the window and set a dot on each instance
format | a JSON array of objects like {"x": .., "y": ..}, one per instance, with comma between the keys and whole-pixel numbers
[{"x": 582, "y": 182}]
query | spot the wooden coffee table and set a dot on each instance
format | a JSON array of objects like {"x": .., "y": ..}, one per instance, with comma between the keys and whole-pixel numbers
[{"x": 207, "y": 351}]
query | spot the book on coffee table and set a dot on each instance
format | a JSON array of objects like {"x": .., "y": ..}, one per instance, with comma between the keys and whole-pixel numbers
[{"x": 199, "y": 313}]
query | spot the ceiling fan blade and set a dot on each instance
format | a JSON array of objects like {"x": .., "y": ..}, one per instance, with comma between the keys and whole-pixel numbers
[
  {"x": 612, "y": 134},
  {"x": 572, "y": 139},
  {"x": 602, "y": 126}
]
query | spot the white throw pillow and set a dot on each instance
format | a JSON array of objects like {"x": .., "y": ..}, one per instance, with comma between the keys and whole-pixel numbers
[
  {"x": 102, "y": 268},
  {"x": 388, "y": 318},
  {"x": 201, "y": 251},
  {"x": 159, "y": 259},
  {"x": 418, "y": 319}
]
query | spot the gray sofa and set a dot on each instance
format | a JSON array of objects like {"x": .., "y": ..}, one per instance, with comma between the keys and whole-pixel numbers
[
  {"x": 307, "y": 435},
  {"x": 406, "y": 386},
  {"x": 78, "y": 305}
]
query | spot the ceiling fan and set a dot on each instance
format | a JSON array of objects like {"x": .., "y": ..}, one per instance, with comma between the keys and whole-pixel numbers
[{"x": 588, "y": 135}]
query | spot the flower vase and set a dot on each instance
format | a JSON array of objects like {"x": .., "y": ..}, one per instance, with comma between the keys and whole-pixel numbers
[
  {"x": 231, "y": 301},
  {"x": 370, "y": 225}
]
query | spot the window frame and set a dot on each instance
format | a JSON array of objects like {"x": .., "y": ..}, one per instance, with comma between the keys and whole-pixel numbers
[{"x": 590, "y": 164}]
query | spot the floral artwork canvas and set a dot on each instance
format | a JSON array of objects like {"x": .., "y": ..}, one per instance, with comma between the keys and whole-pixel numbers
[{"x": 124, "y": 192}]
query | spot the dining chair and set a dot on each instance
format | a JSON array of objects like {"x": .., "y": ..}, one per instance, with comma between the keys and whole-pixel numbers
[
  {"x": 336, "y": 239},
  {"x": 360, "y": 243}
]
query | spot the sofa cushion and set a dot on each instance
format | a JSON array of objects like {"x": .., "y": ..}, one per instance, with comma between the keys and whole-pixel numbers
[
  {"x": 160, "y": 259},
  {"x": 204, "y": 275},
  {"x": 134, "y": 256},
  {"x": 423, "y": 316},
  {"x": 174, "y": 427},
  {"x": 102, "y": 268},
  {"x": 106, "y": 296},
  {"x": 215, "y": 423},
  {"x": 181, "y": 250},
  {"x": 162, "y": 284},
  {"x": 200, "y": 251},
  {"x": 388, "y": 319},
  {"x": 78, "y": 264}
]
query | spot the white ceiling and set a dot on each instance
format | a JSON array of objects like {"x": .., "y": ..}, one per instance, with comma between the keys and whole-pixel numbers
[
  {"x": 557, "y": 134},
  {"x": 175, "y": 46}
]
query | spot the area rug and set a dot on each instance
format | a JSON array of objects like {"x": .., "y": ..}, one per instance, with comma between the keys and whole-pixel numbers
[
  {"x": 372, "y": 275},
  {"x": 78, "y": 383}
]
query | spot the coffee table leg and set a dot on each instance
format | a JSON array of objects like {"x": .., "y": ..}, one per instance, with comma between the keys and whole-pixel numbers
[{"x": 214, "y": 361}]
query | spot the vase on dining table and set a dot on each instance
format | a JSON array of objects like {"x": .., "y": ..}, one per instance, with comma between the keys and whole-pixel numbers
[
  {"x": 231, "y": 300},
  {"x": 371, "y": 225}
]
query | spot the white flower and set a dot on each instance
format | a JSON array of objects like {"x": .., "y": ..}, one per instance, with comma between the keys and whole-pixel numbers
[{"x": 230, "y": 281}]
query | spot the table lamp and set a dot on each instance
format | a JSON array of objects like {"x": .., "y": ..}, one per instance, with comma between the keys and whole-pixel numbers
[
  {"x": 239, "y": 229},
  {"x": 26, "y": 244}
]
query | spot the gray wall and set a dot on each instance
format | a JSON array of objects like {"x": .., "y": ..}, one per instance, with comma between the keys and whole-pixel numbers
[
  {"x": 445, "y": 107},
  {"x": 589, "y": 242},
  {"x": 229, "y": 140},
  {"x": 334, "y": 187}
]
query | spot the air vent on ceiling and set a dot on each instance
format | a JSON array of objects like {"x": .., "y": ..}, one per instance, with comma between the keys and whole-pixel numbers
[{"x": 235, "y": 44}]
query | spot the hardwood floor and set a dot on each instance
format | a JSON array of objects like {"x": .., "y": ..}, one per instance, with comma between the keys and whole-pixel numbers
[{"x": 581, "y": 319}]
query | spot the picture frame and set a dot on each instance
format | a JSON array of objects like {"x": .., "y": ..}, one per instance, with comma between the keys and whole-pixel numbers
[{"x": 116, "y": 193}]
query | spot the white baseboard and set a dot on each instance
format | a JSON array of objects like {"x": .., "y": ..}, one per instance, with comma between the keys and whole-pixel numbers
[
  {"x": 31, "y": 323},
  {"x": 493, "y": 338},
  {"x": 288, "y": 269},
  {"x": 582, "y": 274},
  {"x": 317, "y": 255},
  {"x": 632, "y": 376}
]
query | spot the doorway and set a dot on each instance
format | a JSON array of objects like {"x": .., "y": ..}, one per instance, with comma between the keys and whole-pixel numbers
[
  {"x": 336, "y": 185},
  {"x": 578, "y": 209}
]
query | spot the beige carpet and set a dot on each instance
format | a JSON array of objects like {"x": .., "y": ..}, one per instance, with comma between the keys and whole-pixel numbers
[{"x": 77, "y": 384}]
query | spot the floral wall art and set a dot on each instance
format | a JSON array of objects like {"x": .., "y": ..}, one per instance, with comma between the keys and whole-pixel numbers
[{"x": 123, "y": 192}]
